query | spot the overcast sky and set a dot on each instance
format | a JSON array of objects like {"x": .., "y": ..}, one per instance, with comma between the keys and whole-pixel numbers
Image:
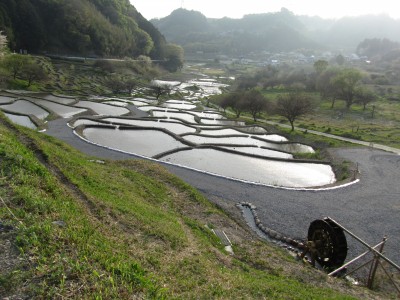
[{"x": 237, "y": 8}]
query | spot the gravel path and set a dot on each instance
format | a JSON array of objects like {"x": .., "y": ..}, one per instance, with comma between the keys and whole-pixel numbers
[{"x": 370, "y": 208}]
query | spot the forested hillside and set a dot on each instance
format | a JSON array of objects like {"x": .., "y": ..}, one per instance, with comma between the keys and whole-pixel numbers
[
  {"x": 281, "y": 31},
  {"x": 81, "y": 27}
]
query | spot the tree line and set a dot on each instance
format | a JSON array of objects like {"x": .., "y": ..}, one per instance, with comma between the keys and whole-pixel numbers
[
  {"x": 290, "y": 105},
  {"x": 112, "y": 28},
  {"x": 332, "y": 82}
]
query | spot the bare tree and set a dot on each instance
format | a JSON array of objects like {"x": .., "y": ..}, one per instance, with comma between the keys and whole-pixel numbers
[
  {"x": 255, "y": 103},
  {"x": 160, "y": 89},
  {"x": 293, "y": 105}
]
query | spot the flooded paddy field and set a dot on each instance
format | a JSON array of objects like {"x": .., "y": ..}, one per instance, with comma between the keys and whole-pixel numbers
[
  {"x": 142, "y": 142},
  {"x": 186, "y": 117},
  {"x": 21, "y": 120},
  {"x": 174, "y": 127},
  {"x": 103, "y": 109},
  {"x": 264, "y": 171},
  {"x": 285, "y": 209},
  {"x": 178, "y": 131},
  {"x": 6, "y": 100},
  {"x": 26, "y": 107}
]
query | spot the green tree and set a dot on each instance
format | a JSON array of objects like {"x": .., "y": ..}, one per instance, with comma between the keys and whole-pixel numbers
[
  {"x": 225, "y": 101},
  {"x": 115, "y": 83},
  {"x": 238, "y": 103},
  {"x": 32, "y": 71},
  {"x": 130, "y": 84},
  {"x": 174, "y": 58},
  {"x": 320, "y": 66},
  {"x": 340, "y": 60},
  {"x": 364, "y": 96},
  {"x": 324, "y": 85},
  {"x": 293, "y": 105},
  {"x": 346, "y": 84},
  {"x": 14, "y": 64}
]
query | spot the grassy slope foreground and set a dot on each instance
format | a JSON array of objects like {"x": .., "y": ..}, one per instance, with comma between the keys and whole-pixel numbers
[{"x": 128, "y": 230}]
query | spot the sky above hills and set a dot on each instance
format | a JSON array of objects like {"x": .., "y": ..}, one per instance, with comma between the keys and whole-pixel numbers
[{"x": 236, "y": 9}]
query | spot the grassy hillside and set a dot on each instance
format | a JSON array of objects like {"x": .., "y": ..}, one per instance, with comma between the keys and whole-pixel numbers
[{"x": 84, "y": 228}]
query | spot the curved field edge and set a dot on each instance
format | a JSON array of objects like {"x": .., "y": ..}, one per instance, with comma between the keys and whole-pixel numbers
[{"x": 101, "y": 230}]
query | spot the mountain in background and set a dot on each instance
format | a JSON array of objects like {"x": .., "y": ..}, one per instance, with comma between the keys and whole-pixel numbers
[
  {"x": 348, "y": 32},
  {"x": 111, "y": 28},
  {"x": 281, "y": 31}
]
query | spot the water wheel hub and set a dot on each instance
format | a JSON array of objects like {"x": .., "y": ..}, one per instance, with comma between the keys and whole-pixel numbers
[{"x": 327, "y": 244}]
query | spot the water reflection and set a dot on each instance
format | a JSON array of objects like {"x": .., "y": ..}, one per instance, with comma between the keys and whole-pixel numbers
[
  {"x": 63, "y": 111},
  {"x": 174, "y": 127},
  {"x": 267, "y": 153},
  {"x": 103, "y": 109},
  {"x": 6, "y": 99},
  {"x": 26, "y": 108},
  {"x": 142, "y": 142},
  {"x": 288, "y": 174},
  {"x": 175, "y": 115},
  {"x": 21, "y": 120}
]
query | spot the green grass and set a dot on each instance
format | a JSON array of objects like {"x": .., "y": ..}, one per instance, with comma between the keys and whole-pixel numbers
[{"x": 132, "y": 228}]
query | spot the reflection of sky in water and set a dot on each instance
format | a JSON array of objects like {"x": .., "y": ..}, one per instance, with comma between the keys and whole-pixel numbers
[
  {"x": 272, "y": 137},
  {"x": 5, "y": 99},
  {"x": 209, "y": 115},
  {"x": 143, "y": 142},
  {"x": 21, "y": 120},
  {"x": 59, "y": 99},
  {"x": 166, "y": 83},
  {"x": 117, "y": 103},
  {"x": 243, "y": 129},
  {"x": 179, "y": 106},
  {"x": 149, "y": 107},
  {"x": 178, "y": 101},
  {"x": 103, "y": 109},
  {"x": 176, "y": 115},
  {"x": 84, "y": 122},
  {"x": 242, "y": 140},
  {"x": 231, "y": 131},
  {"x": 209, "y": 87},
  {"x": 222, "y": 122},
  {"x": 261, "y": 152},
  {"x": 26, "y": 108},
  {"x": 62, "y": 110},
  {"x": 176, "y": 128},
  {"x": 145, "y": 100},
  {"x": 138, "y": 103},
  {"x": 254, "y": 169},
  {"x": 224, "y": 131}
]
